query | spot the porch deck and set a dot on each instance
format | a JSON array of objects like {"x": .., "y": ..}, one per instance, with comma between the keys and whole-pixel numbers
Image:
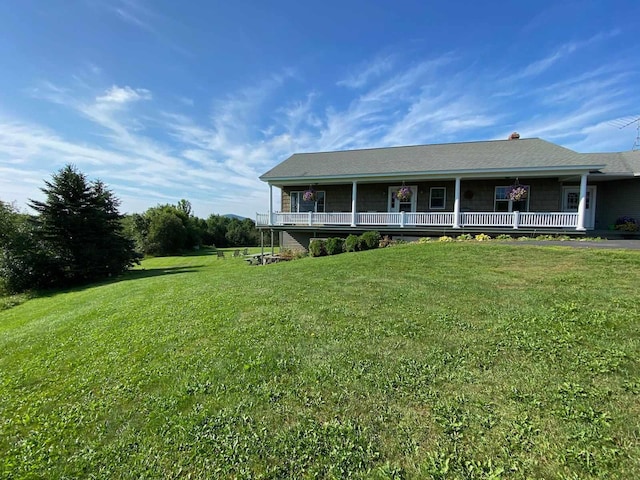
[{"x": 515, "y": 220}]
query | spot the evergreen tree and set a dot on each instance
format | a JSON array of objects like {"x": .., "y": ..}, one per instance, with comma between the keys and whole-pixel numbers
[{"x": 80, "y": 222}]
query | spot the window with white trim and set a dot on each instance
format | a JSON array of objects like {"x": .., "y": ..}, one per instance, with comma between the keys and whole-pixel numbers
[
  {"x": 437, "y": 198},
  {"x": 397, "y": 205},
  {"x": 299, "y": 205},
  {"x": 502, "y": 203}
]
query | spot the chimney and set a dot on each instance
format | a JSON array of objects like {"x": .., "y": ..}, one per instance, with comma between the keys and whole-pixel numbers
[{"x": 514, "y": 136}]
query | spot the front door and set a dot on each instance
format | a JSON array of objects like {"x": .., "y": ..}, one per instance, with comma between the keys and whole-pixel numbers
[
  {"x": 571, "y": 199},
  {"x": 396, "y": 205}
]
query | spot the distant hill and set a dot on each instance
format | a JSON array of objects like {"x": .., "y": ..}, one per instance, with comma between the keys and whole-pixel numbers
[{"x": 233, "y": 215}]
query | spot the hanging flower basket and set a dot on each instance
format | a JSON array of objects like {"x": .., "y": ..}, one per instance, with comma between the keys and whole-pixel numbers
[
  {"x": 404, "y": 194},
  {"x": 309, "y": 195},
  {"x": 517, "y": 193}
]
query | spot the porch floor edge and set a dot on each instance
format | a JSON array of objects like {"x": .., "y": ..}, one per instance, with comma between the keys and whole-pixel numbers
[{"x": 434, "y": 231}]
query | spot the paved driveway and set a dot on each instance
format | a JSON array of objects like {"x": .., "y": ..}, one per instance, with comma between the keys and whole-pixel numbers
[{"x": 615, "y": 244}]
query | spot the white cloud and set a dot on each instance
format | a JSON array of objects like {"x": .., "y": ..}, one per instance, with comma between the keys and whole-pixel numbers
[
  {"x": 138, "y": 15},
  {"x": 122, "y": 95},
  {"x": 130, "y": 17},
  {"x": 134, "y": 12},
  {"x": 153, "y": 154},
  {"x": 364, "y": 73},
  {"x": 189, "y": 102},
  {"x": 605, "y": 137},
  {"x": 540, "y": 66}
]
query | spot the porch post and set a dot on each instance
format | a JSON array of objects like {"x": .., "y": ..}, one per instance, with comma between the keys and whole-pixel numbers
[
  {"x": 456, "y": 205},
  {"x": 583, "y": 202},
  {"x": 270, "y": 204},
  {"x": 272, "y": 252},
  {"x": 354, "y": 196}
]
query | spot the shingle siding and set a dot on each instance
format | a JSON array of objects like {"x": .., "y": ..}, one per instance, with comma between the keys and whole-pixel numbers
[
  {"x": 477, "y": 195},
  {"x": 292, "y": 240},
  {"x": 615, "y": 199}
]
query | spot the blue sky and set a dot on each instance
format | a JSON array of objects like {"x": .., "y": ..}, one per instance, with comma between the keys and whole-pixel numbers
[{"x": 164, "y": 100}]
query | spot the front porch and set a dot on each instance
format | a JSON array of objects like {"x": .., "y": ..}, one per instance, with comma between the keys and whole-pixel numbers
[
  {"x": 560, "y": 203},
  {"x": 514, "y": 220}
]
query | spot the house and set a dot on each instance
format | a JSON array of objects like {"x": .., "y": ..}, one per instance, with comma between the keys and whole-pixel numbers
[{"x": 515, "y": 186}]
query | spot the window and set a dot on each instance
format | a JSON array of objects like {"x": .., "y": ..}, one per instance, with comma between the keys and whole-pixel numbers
[
  {"x": 572, "y": 200},
  {"x": 396, "y": 205},
  {"x": 298, "y": 205},
  {"x": 437, "y": 198},
  {"x": 503, "y": 204}
]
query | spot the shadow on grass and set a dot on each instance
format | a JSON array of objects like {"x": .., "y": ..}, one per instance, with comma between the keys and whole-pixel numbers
[
  {"x": 13, "y": 301},
  {"x": 153, "y": 272},
  {"x": 127, "y": 276},
  {"x": 202, "y": 252}
]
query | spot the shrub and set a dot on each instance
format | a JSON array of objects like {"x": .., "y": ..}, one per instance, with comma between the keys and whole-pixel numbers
[
  {"x": 445, "y": 238},
  {"x": 424, "y": 240},
  {"x": 504, "y": 236},
  {"x": 25, "y": 261},
  {"x": 334, "y": 245},
  {"x": 465, "y": 236},
  {"x": 545, "y": 237},
  {"x": 352, "y": 243},
  {"x": 369, "y": 240},
  {"x": 627, "y": 224},
  {"x": 482, "y": 237},
  {"x": 290, "y": 254},
  {"x": 317, "y": 248}
]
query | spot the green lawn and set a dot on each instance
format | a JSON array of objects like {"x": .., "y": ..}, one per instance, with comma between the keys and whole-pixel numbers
[{"x": 443, "y": 360}]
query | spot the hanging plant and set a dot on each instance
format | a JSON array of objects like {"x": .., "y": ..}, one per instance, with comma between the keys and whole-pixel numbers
[
  {"x": 404, "y": 194},
  {"x": 309, "y": 195},
  {"x": 517, "y": 193}
]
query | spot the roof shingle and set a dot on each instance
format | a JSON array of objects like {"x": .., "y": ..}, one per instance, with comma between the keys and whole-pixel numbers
[{"x": 423, "y": 159}]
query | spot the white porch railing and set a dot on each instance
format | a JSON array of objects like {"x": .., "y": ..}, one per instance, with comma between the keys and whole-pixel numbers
[
  {"x": 262, "y": 219},
  {"x": 486, "y": 219},
  {"x": 378, "y": 218},
  {"x": 423, "y": 219},
  {"x": 306, "y": 218},
  {"x": 554, "y": 219},
  {"x": 440, "y": 219}
]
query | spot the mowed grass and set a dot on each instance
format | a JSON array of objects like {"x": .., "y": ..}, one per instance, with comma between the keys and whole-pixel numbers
[{"x": 462, "y": 360}]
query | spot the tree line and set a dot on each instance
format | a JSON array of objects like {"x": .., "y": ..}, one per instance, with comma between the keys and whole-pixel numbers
[
  {"x": 170, "y": 229},
  {"x": 78, "y": 235}
]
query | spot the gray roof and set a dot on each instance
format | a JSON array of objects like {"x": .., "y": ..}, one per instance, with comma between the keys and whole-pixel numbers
[
  {"x": 488, "y": 156},
  {"x": 618, "y": 163}
]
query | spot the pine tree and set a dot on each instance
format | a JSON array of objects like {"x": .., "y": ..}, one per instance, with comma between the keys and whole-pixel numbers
[{"x": 80, "y": 222}]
